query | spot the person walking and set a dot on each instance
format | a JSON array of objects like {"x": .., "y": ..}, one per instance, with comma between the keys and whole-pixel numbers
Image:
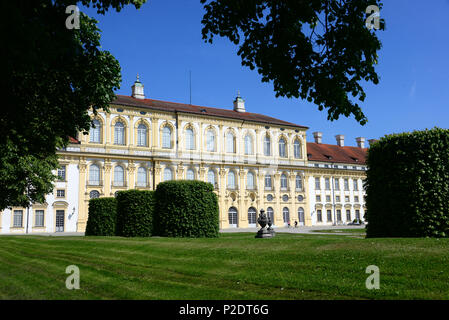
[{"x": 296, "y": 224}]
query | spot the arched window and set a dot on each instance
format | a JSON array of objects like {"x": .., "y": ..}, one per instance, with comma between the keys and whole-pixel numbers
[
  {"x": 231, "y": 180},
  {"x": 268, "y": 182},
  {"x": 119, "y": 176},
  {"x": 142, "y": 177},
  {"x": 297, "y": 149},
  {"x": 270, "y": 214},
  {"x": 298, "y": 182},
  {"x": 166, "y": 137},
  {"x": 286, "y": 215},
  {"x": 301, "y": 215},
  {"x": 94, "y": 175},
  {"x": 267, "y": 145},
  {"x": 190, "y": 139},
  {"x": 282, "y": 148},
  {"x": 168, "y": 175},
  {"x": 119, "y": 133},
  {"x": 233, "y": 217},
  {"x": 211, "y": 177},
  {"x": 142, "y": 135},
  {"x": 250, "y": 181},
  {"x": 284, "y": 183},
  {"x": 248, "y": 144},
  {"x": 210, "y": 141},
  {"x": 230, "y": 143},
  {"x": 252, "y": 217},
  {"x": 190, "y": 174},
  {"x": 95, "y": 132},
  {"x": 94, "y": 194}
]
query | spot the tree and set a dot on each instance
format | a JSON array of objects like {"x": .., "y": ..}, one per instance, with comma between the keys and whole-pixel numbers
[
  {"x": 319, "y": 50},
  {"x": 51, "y": 76}
]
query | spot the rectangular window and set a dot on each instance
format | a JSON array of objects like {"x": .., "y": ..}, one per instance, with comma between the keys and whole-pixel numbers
[
  {"x": 356, "y": 185},
  {"x": 356, "y": 198},
  {"x": 339, "y": 215},
  {"x": 39, "y": 218},
  {"x": 18, "y": 219},
  {"x": 60, "y": 193},
  {"x": 328, "y": 198},
  {"x": 318, "y": 198},
  {"x": 337, "y": 184},
  {"x": 337, "y": 198},
  {"x": 327, "y": 183},
  {"x": 268, "y": 182},
  {"x": 348, "y": 215},
  {"x": 346, "y": 198},
  {"x": 61, "y": 173},
  {"x": 319, "y": 216},
  {"x": 357, "y": 214},
  {"x": 329, "y": 215},
  {"x": 317, "y": 184},
  {"x": 346, "y": 184}
]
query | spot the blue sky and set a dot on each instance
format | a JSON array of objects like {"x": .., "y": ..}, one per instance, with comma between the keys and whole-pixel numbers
[{"x": 162, "y": 41}]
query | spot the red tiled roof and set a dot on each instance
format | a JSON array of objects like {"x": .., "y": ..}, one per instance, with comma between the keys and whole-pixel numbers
[
  {"x": 204, "y": 111},
  {"x": 335, "y": 153}
]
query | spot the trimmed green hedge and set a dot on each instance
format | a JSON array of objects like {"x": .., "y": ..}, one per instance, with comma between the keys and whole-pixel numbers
[
  {"x": 186, "y": 209},
  {"x": 135, "y": 213},
  {"x": 101, "y": 220},
  {"x": 407, "y": 185}
]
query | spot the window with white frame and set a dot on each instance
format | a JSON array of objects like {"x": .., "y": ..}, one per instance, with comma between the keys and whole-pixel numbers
[
  {"x": 297, "y": 149},
  {"x": 210, "y": 140},
  {"x": 267, "y": 145},
  {"x": 119, "y": 133},
  {"x": 346, "y": 182},
  {"x": 329, "y": 215},
  {"x": 190, "y": 175},
  {"x": 95, "y": 132},
  {"x": 18, "y": 219},
  {"x": 248, "y": 144},
  {"x": 270, "y": 214},
  {"x": 60, "y": 193},
  {"x": 231, "y": 180},
  {"x": 319, "y": 216},
  {"x": 166, "y": 137},
  {"x": 168, "y": 174},
  {"x": 348, "y": 215},
  {"x": 211, "y": 177},
  {"x": 327, "y": 183},
  {"x": 298, "y": 182},
  {"x": 338, "y": 215},
  {"x": 317, "y": 183},
  {"x": 282, "y": 148},
  {"x": 356, "y": 185},
  {"x": 39, "y": 218},
  {"x": 61, "y": 173},
  {"x": 337, "y": 184},
  {"x": 142, "y": 177},
  {"x": 142, "y": 135},
  {"x": 284, "y": 182},
  {"x": 94, "y": 175},
  {"x": 268, "y": 182},
  {"x": 230, "y": 142},
  {"x": 250, "y": 181},
  {"x": 190, "y": 139},
  {"x": 119, "y": 176}
]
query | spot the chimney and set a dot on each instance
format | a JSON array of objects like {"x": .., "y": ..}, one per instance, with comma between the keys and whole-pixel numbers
[
  {"x": 372, "y": 141},
  {"x": 318, "y": 137},
  {"x": 340, "y": 140},
  {"x": 137, "y": 89},
  {"x": 360, "y": 142},
  {"x": 239, "y": 103}
]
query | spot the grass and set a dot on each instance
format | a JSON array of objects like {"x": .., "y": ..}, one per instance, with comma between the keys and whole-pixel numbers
[{"x": 234, "y": 266}]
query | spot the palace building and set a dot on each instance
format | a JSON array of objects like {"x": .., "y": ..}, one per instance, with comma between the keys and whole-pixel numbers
[{"x": 253, "y": 161}]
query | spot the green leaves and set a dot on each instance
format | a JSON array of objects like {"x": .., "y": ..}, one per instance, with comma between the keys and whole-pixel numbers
[
  {"x": 407, "y": 185},
  {"x": 323, "y": 62},
  {"x": 102, "y": 217}
]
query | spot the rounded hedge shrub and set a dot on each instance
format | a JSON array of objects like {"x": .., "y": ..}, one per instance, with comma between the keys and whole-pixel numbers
[
  {"x": 135, "y": 213},
  {"x": 407, "y": 185},
  {"x": 101, "y": 220},
  {"x": 186, "y": 209}
]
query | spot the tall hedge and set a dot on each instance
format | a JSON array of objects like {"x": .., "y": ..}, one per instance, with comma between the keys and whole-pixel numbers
[
  {"x": 186, "y": 209},
  {"x": 135, "y": 213},
  {"x": 101, "y": 220},
  {"x": 407, "y": 185}
]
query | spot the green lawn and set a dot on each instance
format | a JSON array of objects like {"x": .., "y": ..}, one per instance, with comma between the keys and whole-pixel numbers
[
  {"x": 358, "y": 230},
  {"x": 234, "y": 266}
]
